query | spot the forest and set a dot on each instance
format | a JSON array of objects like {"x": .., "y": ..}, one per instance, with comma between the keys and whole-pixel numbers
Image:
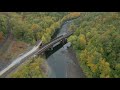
[
  {"x": 96, "y": 42},
  {"x": 25, "y": 29},
  {"x": 30, "y": 27}
]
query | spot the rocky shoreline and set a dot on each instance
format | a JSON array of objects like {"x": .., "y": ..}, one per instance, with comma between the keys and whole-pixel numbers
[{"x": 72, "y": 67}]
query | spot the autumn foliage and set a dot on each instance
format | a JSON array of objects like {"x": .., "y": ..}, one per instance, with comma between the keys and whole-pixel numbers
[
  {"x": 97, "y": 44},
  {"x": 27, "y": 28}
]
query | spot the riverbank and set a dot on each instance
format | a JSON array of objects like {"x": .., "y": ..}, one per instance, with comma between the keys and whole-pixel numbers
[
  {"x": 63, "y": 62},
  {"x": 72, "y": 72},
  {"x": 58, "y": 29}
]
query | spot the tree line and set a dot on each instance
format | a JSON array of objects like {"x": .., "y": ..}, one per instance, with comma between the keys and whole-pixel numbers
[{"x": 30, "y": 27}]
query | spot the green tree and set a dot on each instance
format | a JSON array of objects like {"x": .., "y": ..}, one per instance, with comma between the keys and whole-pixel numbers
[
  {"x": 82, "y": 41},
  {"x": 32, "y": 69},
  {"x": 104, "y": 68},
  {"x": 44, "y": 40}
]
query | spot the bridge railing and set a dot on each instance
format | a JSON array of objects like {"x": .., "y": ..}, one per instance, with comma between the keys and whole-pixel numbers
[{"x": 44, "y": 47}]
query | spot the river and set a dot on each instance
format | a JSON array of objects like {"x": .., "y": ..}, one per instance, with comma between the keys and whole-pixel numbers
[{"x": 63, "y": 63}]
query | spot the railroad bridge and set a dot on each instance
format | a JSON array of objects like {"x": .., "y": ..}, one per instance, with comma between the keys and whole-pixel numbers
[
  {"x": 58, "y": 41},
  {"x": 36, "y": 50}
]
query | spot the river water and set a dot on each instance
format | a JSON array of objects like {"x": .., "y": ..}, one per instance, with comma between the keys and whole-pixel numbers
[{"x": 63, "y": 63}]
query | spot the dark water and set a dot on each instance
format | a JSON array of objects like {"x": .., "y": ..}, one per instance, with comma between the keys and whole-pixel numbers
[{"x": 63, "y": 63}]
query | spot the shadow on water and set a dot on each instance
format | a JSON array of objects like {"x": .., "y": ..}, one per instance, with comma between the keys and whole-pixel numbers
[
  {"x": 62, "y": 62},
  {"x": 53, "y": 50}
]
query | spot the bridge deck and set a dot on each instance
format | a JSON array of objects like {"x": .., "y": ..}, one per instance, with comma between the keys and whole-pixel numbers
[{"x": 48, "y": 45}]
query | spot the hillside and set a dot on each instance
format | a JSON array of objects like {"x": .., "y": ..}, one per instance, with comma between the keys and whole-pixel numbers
[
  {"x": 20, "y": 31},
  {"x": 96, "y": 42}
]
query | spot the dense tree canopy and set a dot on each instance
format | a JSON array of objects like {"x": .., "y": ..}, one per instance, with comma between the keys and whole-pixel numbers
[
  {"x": 30, "y": 27},
  {"x": 97, "y": 44},
  {"x": 3, "y": 24},
  {"x": 32, "y": 69}
]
